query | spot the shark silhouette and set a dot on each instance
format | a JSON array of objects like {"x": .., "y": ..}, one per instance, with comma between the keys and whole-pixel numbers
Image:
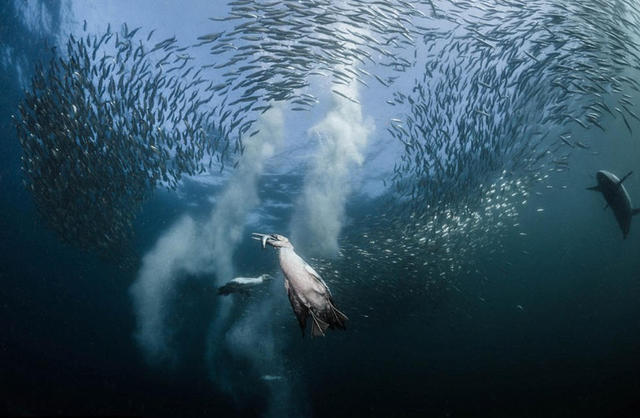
[{"x": 617, "y": 198}]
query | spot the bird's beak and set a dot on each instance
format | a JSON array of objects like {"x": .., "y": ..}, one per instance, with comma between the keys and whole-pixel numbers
[{"x": 261, "y": 237}]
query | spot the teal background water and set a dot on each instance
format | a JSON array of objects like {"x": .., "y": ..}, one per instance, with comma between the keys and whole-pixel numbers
[{"x": 547, "y": 326}]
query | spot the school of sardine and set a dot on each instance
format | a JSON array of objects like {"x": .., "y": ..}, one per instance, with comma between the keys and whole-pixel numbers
[
  {"x": 505, "y": 86},
  {"x": 498, "y": 94},
  {"x": 103, "y": 125},
  {"x": 427, "y": 251}
]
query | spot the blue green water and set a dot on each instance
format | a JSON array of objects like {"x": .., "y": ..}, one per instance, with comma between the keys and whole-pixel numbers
[{"x": 543, "y": 321}]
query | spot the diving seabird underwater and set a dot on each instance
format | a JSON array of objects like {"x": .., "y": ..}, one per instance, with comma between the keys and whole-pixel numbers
[
  {"x": 617, "y": 198},
  {"x": 308, "y": 293},
  {"x": 243, "y": 284}
]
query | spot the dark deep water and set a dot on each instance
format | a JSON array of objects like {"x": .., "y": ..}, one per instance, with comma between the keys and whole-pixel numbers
[
  {"x": 548, "y": 326},
  {"x": 573, "y": 351}
]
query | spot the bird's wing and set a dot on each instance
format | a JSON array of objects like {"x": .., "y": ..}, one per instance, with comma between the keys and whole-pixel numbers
[
  {"x": 301, "y": 311},
  {"x": 230, "y": 287},
  {"x": 224, "y": 290},
  {"x": 311, "y": 271},
  {"x": 315, "y": 274}
]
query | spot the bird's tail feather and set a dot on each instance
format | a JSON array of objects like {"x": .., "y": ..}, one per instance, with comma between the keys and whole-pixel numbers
[
  {"x": 338, "y": 319},
  {"x": 318, "y": 326},
  {"x": 332, "y": 318}
]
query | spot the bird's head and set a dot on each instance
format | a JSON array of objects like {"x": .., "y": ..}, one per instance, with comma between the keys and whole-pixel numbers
[{"x": 275, "y": 240}]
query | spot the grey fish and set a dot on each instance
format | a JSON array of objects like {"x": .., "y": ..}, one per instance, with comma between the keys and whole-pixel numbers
[{"x": 617, "y": 198}]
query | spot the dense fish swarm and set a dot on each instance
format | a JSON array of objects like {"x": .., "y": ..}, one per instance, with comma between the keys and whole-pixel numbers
[
  {"x": 506, "y": 86},
  {"x": 509, "y": 86},
  {"x": 104, "y": 125},
  {"x": 274, "y": 49},
  {"x": 420, "y": 253}
]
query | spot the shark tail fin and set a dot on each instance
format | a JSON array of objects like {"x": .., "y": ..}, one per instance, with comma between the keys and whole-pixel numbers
[
  {"x": 625, "y": 177},
  {"x": 594, "y": 188},
  {"x": 635, "y": 212}
]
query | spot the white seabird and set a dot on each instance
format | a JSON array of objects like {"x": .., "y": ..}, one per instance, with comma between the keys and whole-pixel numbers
[
  {"x": 308, "y": 293},
  {"x": 243, "y": 284}
]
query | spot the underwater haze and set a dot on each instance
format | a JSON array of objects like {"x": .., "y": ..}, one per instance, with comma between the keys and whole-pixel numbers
[{"x": 434, "y": 164}]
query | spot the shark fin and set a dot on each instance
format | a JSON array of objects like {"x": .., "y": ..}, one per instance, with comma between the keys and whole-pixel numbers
[
  {"x": 605, "y": 207},
  {"x": 625, "y": 177},
  {"x": 635, "y": 212},
  {"x": 594, "y": 188}
]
